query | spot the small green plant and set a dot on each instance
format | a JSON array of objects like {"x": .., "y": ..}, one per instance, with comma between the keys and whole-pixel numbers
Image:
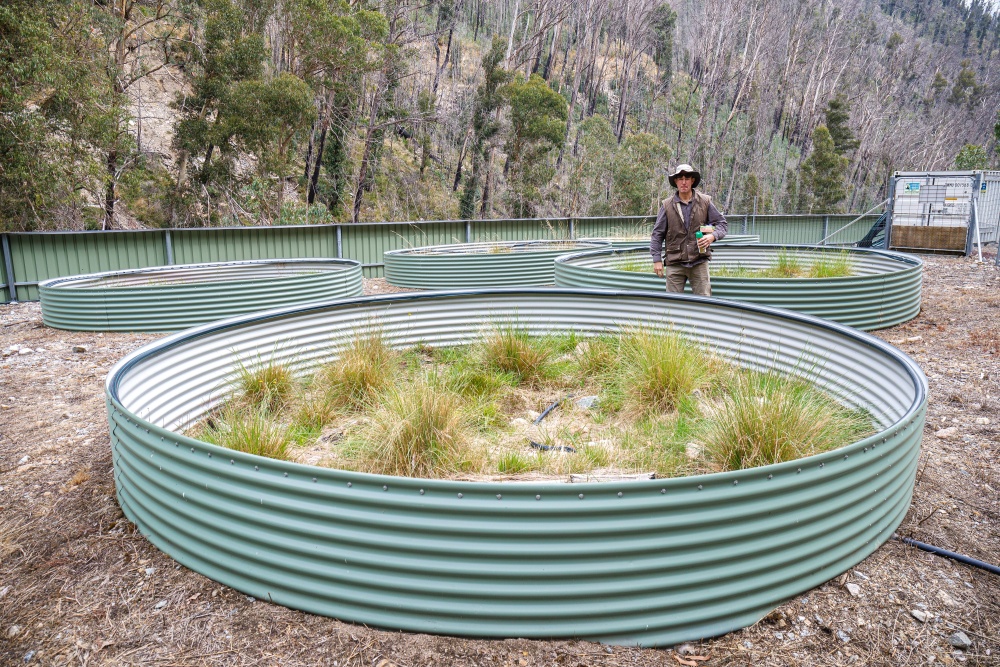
[
  {"x": 633, "y": 265},
  {"x": 365, "y": 368},
  {"x": 769, "y": 417},
  {"x": 514, "y": 463},
  {"x": 737, "y": 271},
  {"x": 248, "y": 429},
  {"x": 660, "y": 367},
  {"x": 416, "y": 429},
  {"x": 266, "y": 385},
  {"x": 786, "y": 265},
  {"x": 597, "y": 356},
  {"x": 839, "y": 265},
  {"x": 508, "y": 349}
]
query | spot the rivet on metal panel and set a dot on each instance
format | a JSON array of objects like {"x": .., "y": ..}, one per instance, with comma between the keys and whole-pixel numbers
[
  {"x": 798, "y": 470},
  {"x": 866, "y": 450},
  {"x": 210, "y": 455},
  {"x": 620, "y": 494},
  {"x": 385, "y": 488},
  {"x": 821, "y": 465},
  {"x": 663, "y": 491},
  {"x": 257, "y": 468},
  {"x": 421, "y": 491},
  {"x": 735, "y": 482},
  {"x": 192, "y": 450},
  {"x": 232, "y": 463},
  {"x": 184, "y": 496},
  {"x": 460, "y": 495},
  {"x": 314, "y": 480},
  {"x": 286, "y": 474},
  {"x": 581, "y": 496},
  {"x": 770, "y": 476},
  {"x": 538, "y": 497},
  {"x": 700, "y": 487},
  {"x": 499, "y": 497},
  {"x": 350, "y": 484},
  {"x": 846, "y": 456},
  {"x": 161, "y": 438}
]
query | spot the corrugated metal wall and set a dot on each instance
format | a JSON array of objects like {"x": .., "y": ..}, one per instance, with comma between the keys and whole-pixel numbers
[
  {"x": 651, "y": 562},
  {"x": 38, "y": 256}
]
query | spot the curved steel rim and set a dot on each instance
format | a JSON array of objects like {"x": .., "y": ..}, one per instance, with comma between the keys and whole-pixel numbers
[
  {"x": 378, "y": 516},
  {"x": 884, "y": 292},
  {"x": 72, "y": 282},
  {"x": 480, "y": 248}
]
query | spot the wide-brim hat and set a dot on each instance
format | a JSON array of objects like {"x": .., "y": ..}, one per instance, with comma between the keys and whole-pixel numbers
[{"x": 685, "y": 169}]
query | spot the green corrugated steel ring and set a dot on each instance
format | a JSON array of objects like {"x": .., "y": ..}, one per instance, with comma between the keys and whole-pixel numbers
[
  {"x": 170, "y": 298},
  {"x": 620, "y": 243},
  {"x": 649, "y": 563},
  {"x": 884, "y": 292},
  {"x": 485, "y": 264}
]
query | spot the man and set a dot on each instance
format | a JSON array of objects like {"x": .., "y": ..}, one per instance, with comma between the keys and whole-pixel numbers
[{"x": 674, "y": 241}]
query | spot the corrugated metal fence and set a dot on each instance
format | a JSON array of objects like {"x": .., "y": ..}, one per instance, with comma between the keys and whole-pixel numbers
[{"x": 31, "y": 257}]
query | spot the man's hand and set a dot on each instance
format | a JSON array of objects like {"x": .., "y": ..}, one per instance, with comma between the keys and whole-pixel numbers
[
  {"x": 658, "y": 269},
  {"x": 706, "y": 241}
]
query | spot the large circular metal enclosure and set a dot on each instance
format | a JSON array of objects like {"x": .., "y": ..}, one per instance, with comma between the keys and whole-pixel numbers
[
  {"x": 170, "y": 298},
  {"x": 486, "y": 264},
  {"x": 650, "y": 562},
  {"x": 883, "y": 291}
]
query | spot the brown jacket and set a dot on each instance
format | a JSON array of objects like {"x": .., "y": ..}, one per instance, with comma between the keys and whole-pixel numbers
[{"x": 677, "y": 244}]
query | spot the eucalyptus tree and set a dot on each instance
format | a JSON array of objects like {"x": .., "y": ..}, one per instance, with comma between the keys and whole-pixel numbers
[
  {"x": 484, "y": 128},
  {"x": 231, "y": 50},
  {"x": 134, "y": 39},
  {"x": 537, "y": 127},
  {"x": 332, "y": 45},
  {"x": 52, "y": 115}
]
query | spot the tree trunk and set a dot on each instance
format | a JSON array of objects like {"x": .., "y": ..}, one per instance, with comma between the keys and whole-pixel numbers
[{"x": 110, "y": 193}]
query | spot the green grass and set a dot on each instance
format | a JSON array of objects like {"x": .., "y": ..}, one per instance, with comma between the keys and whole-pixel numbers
[
  {"x": 665, "y": 404},
  {"x": 789, "y": 265},
  {"x": 839, "y": 265},
  {"x": 657, "y": 369},
  {"x": 633, "y": 264},
  {"x": 417, "y": 430},
  {"x": 367, "y": 367},
  {"x": 247, "y": 429},
  {"x": 264, "y": 385},
  {"x": 509, "y": 349},
  {"x": 768, "y": 417}
]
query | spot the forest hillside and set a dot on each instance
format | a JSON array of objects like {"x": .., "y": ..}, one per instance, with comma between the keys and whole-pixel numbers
[{"x": 153, "y": 113}]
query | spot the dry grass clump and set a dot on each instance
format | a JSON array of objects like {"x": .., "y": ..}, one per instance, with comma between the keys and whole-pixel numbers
[
  {"x": 787, "y": 264},
  {"x": 657, "y": 401},
  {"x": 252, "y": 430},
  {"x": 660, "y": 368},
  {"x": 508, "y": 349},
  {"x": 417, "y": 430},
  {"x": 767, "y": 417},
  {"x": 365, "y": 368},
  {"x": 265, "y": 384}
]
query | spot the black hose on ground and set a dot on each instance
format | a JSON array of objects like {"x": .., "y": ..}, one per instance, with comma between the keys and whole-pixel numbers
[
  {"x": 961, "y": 558},
  {"x": 538, "y": 419}
]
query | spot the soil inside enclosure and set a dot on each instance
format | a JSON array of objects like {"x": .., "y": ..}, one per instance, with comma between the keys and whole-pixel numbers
[{"x": 79, "y": 585}]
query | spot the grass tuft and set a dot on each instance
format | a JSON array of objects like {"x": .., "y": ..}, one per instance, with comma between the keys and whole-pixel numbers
[
  {"x": 507, "y": 349},
  {"x": 839, "y": 265},
  {"x": 267, "y": 385},
  {"x": 416, "y": 430},
  {"x": 768, "y": 417},
  {"x": 250, "y": 430},
  {"x": 366, "y": 368},
  {"x": 658, "y": 369}
]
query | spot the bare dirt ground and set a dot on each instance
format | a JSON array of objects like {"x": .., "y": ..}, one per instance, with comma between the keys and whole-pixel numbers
[{"x": 80, "y": 586}]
